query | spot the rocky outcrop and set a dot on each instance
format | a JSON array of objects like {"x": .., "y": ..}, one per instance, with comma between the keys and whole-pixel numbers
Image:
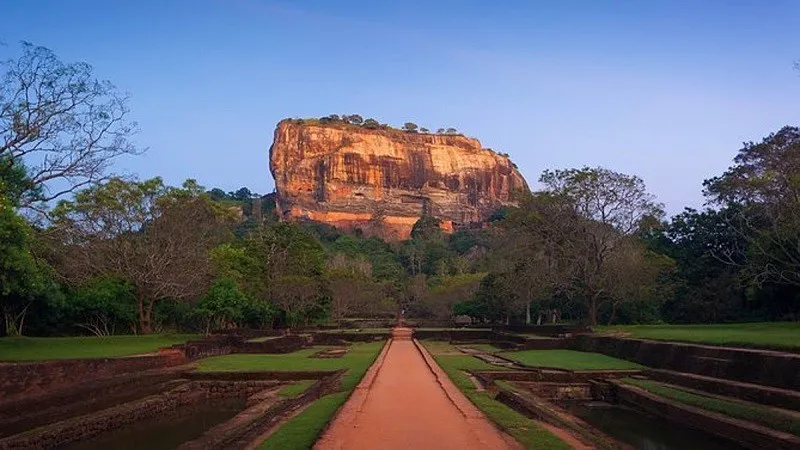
[{"x": 381, "y": 181}]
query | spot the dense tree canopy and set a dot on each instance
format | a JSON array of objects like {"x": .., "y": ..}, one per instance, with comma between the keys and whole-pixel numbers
[{"x": 119, "y": 255}]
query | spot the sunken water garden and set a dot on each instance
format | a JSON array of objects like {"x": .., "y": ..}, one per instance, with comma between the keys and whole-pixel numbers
[{"x": 539, "y": 387}]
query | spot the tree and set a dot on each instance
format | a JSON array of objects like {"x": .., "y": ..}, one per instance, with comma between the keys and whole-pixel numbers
[
  {"x": 371, "y": 124},
  {"x": 612, "y": 207},
  {"x": 155, "y": 237},
  {"x": 410, "y": 127},
  {"x": 296, "y": 295},
  {"x": 355, "y": 119},
  {"x": 424, "y": 130},
  {"x": 440, "y": 131},
  {"x": 351, "y": 286},
  {"x": 20, "y": 276},
  {"x": 451, "y": 130},
  {"x": 573, "y": 240},
  {"x": 223, "y": 305},
  {"x": 763, "y": 189},
  {"x": 64, "y": 123},
  {"x": 284, "y": 258},
  {"x": 610, "y": 198},
  {"x": 102, "y": 305}
]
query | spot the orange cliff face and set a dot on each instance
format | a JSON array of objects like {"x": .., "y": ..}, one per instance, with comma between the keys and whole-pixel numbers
[{"x": 381, "y": 181}]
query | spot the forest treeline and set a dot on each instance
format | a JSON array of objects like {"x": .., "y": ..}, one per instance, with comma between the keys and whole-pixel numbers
[{"x": 83, "y": 251}]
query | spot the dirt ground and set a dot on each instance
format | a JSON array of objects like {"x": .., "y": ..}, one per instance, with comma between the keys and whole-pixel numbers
[{"x": 401, "y": 404}]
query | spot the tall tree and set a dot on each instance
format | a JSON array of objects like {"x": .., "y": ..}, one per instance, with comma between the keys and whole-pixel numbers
[
  {"x": 155, "y": 237},
  {"x": 762, "y": 187},
  {"x": 20, "y": 276},
  {"x": 612, "y": 207},
  {"x": 67, "y": 125}
]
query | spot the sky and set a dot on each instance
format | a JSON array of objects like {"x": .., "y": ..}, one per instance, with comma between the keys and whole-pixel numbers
[{"x": 666, "y": 90}]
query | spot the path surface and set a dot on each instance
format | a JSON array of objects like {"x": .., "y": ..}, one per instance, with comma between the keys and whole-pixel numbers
[{"x": 400, "y": 404}]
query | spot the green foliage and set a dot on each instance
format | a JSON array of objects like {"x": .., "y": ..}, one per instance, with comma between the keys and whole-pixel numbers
[
  {"x": 20, "y": 276},
  {"x": 103, "y": 306},
  {"x": 223, "y": 305},
  {"x": 410, "y": 127}
]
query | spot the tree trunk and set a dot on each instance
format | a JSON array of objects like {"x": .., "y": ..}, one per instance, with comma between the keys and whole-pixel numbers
[
  {"x": 593, "y": 311},
  {"x": 145, "y": 316},
  {"x": 613, "y": 313},
  {"x": 528, "y": 313}
]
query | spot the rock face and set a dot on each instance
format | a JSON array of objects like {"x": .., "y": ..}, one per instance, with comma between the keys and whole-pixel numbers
[{"x": 382, "y": 181}]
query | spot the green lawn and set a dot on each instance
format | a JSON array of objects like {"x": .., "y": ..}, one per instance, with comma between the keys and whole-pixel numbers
[
  {"x": 489, "y": 348},
  {"x": 752, "y": 412},
  {"x": 36, "y": 349},
  {"x": 765, "y": 334},
  {"x": 523, "y": 429},
  {"x": 302, "y": 431},
  {"x": 296, "y": 388},
  {"x": 570, "y": 360}
]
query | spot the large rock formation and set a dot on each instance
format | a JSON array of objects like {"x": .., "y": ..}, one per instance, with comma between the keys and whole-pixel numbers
[{"x": 382, "y": 181}]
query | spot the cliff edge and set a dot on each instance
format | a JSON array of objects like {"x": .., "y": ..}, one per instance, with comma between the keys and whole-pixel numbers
[{"x": 382, "y": 180}]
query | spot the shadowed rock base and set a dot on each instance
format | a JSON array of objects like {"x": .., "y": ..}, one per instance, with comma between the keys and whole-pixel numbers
[{"x": 401, "y": 404}]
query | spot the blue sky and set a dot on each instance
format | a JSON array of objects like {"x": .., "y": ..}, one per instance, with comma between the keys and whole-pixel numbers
[{"x": 667, "y": 90}]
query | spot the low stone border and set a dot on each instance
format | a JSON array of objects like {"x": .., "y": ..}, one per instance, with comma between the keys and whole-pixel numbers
[
  {"x": 248, "y": 427},
  {"x": 88, "y": 426},
  {"x": 766, "y": 395},
  {"x": 28, "y": 413},
  {"x": 765, "y": 367},
  {"x": 546, "y": 412},
  {"x": 744, "y": 433},
  {"x": 29, "y": 379},
  {"x": 263, "y": 375}
]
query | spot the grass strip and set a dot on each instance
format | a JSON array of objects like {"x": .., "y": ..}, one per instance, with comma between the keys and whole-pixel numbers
[
  {"x": 296, "y": 388},
  {"x": 39, "y": 348},
  {"x": 732, "y": 408},
  {"x": 570, "y": 360},
  {"x": 530, "y": 434},
  {"x": 302, "y": 431},
  {"x": 778, "y": 335}
]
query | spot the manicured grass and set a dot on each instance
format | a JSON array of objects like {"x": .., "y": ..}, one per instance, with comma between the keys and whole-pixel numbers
[
  {"x": 357, "y": 360},
  {"x": 764, "y": 334},
  {"x": 37, "y": 349},
  {"x": 302, "y": 431},
  {"x": 570, "y": 360},
  {"x": 752, "y": 412},
  {"x": 523, "y": 429},
  {"x": 483, "y": 347},
  {"x": 296, "y": 388},
  {"x": 359, "y": 330}
]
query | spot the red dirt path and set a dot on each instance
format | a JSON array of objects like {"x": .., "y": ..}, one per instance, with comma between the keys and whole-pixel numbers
[{"x": 405, "y": 402}]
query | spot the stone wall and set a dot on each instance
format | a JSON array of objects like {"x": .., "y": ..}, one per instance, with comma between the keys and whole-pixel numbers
[
  {"x": 30, "y": 379},
  {"x": 765, "y": 367},
  {"x": 284, "y": 344},
  {"x": 27, "y": 413},
  {"x": 342, "y": 338}
]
